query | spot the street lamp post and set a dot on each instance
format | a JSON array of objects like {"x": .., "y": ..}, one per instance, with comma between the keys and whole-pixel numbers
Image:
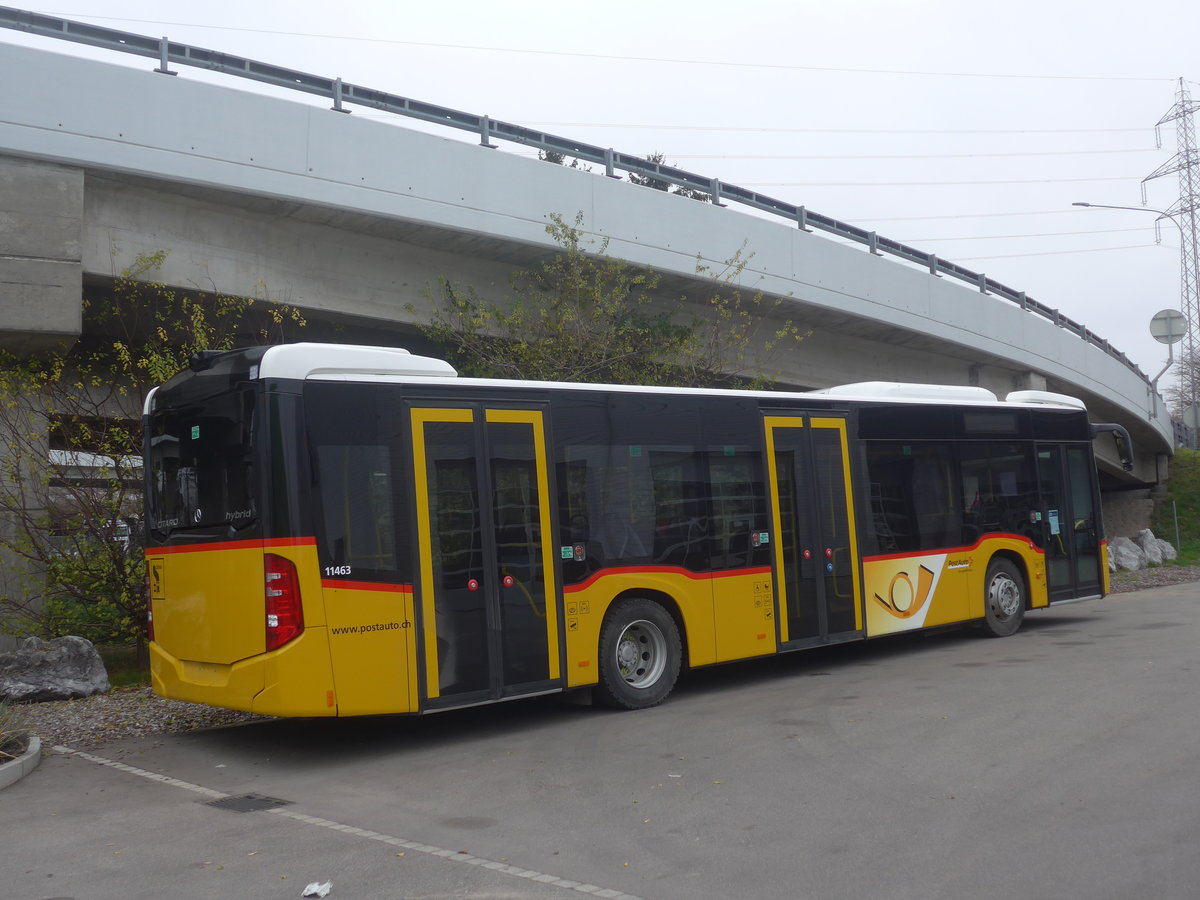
[
  {"x": 1161, "y": 212},
  {"x": 1190, "y": 352}
]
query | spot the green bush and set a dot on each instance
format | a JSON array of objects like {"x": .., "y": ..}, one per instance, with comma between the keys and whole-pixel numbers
[{"x": 125, "y": 667}]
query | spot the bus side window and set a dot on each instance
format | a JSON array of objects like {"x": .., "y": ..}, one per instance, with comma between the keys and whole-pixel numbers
[
  {"x": 914, "y": 496},
  {"x": 999, "y": 490},
  {"x": 680, "y": 509},
  {"x": 739, "y": 508},
  {"x": 358, "y": 531},
  {"x": 358, "y": 492},
  {"x": 602, "y": 521}
]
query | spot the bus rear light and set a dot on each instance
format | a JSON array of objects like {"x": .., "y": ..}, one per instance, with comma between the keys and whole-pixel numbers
[{"x": 284, "y": 610}]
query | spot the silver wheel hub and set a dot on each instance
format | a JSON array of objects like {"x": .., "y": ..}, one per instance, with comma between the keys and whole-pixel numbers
[
  {"x": 1004, "y": 597},
  {"x": 641, "y": 654}
]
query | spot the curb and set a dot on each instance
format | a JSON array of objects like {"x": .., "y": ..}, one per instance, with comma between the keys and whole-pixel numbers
[{"x": 14, "y": 770}]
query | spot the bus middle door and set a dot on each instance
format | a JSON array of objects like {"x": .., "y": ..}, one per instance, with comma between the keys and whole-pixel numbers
[
  {"x": 816, "y": 548},
  {"x": 487, "y": 585}
]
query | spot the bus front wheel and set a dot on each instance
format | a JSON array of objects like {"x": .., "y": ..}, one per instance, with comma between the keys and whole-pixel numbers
[
  {"x": 640, "y": 654},
  {"x": 1004, "y": 598}
]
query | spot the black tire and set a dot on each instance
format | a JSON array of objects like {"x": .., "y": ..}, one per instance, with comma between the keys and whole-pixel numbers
[
  {"x": 640, "y": 653},
  {"x": 1004, "y": 598}
]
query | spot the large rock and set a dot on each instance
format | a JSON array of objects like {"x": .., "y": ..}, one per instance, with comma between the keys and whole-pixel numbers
[
  {"x": 1125, "y": 554},
  {"x": 1149, "y": 545},
  {"x": 1156, "y": 549},
  {"x": 1169, "y": 553},
  {"x": 65, "y": 668}
]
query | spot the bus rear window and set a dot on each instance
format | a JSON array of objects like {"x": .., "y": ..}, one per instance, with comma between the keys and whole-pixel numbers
[{"x": 200, "y": 465}]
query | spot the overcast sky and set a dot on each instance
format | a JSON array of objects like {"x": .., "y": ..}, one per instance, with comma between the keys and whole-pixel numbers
[{"x": 965, "y": 129}]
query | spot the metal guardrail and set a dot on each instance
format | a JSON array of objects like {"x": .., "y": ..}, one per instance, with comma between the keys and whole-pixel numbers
[{"x": 169, "y": 52}]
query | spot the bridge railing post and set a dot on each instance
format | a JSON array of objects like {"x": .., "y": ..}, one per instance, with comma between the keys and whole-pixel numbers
[
  {"x": 164, "y": 54},
  {"x": 485, "y": 133},
  {"x": 337, "y": 96}
]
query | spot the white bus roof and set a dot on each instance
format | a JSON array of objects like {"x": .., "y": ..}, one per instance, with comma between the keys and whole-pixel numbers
[
  {"x": 350, "y": 362},
  {"x": 307, "y": 360},
  {"x": 896, "y": 390}
]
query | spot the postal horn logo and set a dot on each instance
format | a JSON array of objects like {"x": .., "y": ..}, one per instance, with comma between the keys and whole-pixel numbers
[{"x": 903, "y": 601}]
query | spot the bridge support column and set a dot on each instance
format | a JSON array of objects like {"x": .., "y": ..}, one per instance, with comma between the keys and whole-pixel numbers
[
  {"x": 1002, "y": 382},
  {"x": 1029, "y": 381},
  {"x": 41, "y": 269},
  {"x": 41, "y": 296}
]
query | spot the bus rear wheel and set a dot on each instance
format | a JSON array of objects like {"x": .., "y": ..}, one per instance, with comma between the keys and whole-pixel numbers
[
  {"x": 640, "y": 654},
  {"x": 1004, "y": 598}
]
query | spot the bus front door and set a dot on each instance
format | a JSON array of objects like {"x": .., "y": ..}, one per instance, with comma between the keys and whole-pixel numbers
[
  {"x": 816, "y": 548},
  {"x": 487, "y": 590},
  {"x": 1070, "y": 527}
]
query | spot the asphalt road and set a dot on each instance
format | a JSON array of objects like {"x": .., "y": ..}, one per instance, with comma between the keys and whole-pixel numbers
[{"x": 1062, "y": 762}]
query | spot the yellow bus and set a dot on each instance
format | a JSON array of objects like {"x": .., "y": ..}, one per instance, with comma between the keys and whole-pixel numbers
[{"x": 338, "y": 530}]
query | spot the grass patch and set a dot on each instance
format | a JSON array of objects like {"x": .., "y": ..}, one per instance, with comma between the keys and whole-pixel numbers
[
  {"x": 121, "y": 661},
  {"x": 1189, "y": 553},
  {"x": 1181, "y": 501},
  {"x": 14, "y": 736}
]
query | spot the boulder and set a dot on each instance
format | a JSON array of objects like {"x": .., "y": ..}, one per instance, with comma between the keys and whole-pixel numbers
[
  {"x": 65, "y": 668},
  {"x": 1169, "y": 553},
  {"x": 1149, "y": 545},
  {"x": 1125, "y": 554}
]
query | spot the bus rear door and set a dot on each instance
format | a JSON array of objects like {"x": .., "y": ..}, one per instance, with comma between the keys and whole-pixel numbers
[{"x": 487, "y": 589}]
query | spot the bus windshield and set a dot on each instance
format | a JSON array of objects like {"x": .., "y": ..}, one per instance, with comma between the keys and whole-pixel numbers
[{"x": 199, "y": 465}]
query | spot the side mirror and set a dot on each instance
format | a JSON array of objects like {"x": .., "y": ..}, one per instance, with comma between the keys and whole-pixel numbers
[{"x": 1124, "y": 444}]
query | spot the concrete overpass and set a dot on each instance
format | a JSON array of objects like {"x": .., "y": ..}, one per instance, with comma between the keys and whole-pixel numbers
[{"x": 353, "y": 219}]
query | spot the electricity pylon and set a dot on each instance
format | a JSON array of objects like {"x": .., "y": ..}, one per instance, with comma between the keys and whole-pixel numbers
[{"x": 1185, "y": 162}]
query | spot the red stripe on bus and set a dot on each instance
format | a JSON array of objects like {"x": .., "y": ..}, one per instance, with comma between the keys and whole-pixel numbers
[
  {"x": 735, "y": 573},
  {"x": 290, "y": 542},
  {"x": 257, "y": 544},
  {"x": 967, "y": 549},
  {"x": 662, "y": 570},
  {"x": 366, "y": 585}
]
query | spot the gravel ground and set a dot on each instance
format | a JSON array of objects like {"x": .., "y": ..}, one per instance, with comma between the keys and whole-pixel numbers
[
  {"x": 121, "y": 713},
  {"x": 135, "y": 712},
  {"x": 1159, "y": 576}
]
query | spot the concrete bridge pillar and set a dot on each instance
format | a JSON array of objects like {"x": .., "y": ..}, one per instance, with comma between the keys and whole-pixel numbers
[
  {"x": 1029, "y": 381},
  {"x": 1002, "y": 382},
  {"x": 41, "y": 294},
  {"x": 41, "y": 269}
]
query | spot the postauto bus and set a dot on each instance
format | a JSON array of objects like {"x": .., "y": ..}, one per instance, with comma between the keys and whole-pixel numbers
[{"x": 338, "y": 530}]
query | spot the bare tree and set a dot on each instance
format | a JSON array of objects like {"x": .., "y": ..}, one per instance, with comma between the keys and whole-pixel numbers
[
  {"x": 70, "y": 449},
  {"x": 584, "y": 316}
]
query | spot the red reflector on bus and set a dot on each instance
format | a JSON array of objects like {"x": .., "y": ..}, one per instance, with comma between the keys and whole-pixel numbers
[{"x": 285, "y": 612}]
